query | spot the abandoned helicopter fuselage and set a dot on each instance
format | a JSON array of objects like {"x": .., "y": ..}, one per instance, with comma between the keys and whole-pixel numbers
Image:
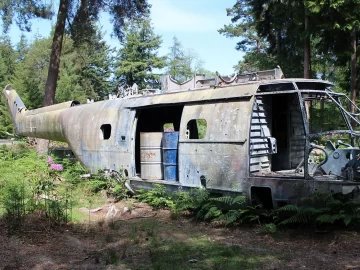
[{"x": 249, "y": 135}]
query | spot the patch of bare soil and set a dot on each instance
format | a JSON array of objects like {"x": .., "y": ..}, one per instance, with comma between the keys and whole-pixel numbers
[{"x": 110, "y": 239}]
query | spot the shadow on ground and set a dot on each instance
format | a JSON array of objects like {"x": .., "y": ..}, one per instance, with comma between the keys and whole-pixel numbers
[{"x": 151, "y": 240}]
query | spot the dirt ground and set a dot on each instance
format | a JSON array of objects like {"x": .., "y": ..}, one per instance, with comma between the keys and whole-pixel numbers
[{"x": 116, "y": 236}]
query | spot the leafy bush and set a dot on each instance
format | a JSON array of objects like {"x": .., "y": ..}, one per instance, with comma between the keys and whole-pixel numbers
[
  {"x": 177, "y": 202},
  {"x": 318, "y": 209},
  {"x": 224, "y": 209},
  {"x": 269, "y": 228},
  {"x": 189, "y": 200},
  {"x": 28, "y": 184},
  {"x": 73, "y": 170},
  {"x": 96, "y": 185},
  {"x": 14, "y": 200},
  {"x": 111, "y": 181}
]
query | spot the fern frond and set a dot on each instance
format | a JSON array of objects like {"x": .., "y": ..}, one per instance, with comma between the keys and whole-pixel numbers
[
  {"x": 347, "y": 220},
  {"x": 310, "y": 211},
  {"x": 239, "y": 200},
  {"x": 213, "y": 213},
  {"x": 230, "y": 217},
  {"x": 299, "y": 218},
  {"x": 323, "y": 219},
  {"x": 228, "y": 200},
  {"x": 225, "y": 200},
  {"x": 289, "y": 208}
]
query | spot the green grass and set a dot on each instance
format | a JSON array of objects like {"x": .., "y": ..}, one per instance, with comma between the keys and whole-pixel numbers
[
  {"x": 194, "y": 251},
  {"x": 82, "y": 197},
  {"x": 208, "y": 255},
  {"x": 21, "y": 166}
]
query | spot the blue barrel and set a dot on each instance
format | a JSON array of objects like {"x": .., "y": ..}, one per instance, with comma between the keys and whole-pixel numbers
[{"x": 170, "y": 150}]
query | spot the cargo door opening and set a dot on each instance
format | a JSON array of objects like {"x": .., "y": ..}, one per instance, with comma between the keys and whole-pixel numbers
[
  {"x": 277, "y": 138},
  {"x": 155, "y": 121},
  {"x": 280, "y": 131}
]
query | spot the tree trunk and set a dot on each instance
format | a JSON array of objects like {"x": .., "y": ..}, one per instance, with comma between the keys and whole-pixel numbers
[
  {"x": 258, "y": 46},
  {"x": 278, "y": 43},
  {"x": 353, "y": 72},
  {"x": 307, "y": 66},
  {"x": 322, "y": 104},
  {"x": 53, "y": 73}
]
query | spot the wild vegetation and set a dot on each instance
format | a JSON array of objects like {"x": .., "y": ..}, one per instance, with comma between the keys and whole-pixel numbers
[
  {"x": 320, "y": 211},
  {"x": 43, "y": 196},
  {"x": 52, "y": 192},
  {"x": 91, "y": 70},
  {"x": 30, "y": 184},
  {"x": 53, "y": 189}
]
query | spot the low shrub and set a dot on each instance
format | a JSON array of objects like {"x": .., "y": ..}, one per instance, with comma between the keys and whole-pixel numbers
[
  {"x": 317, "y": 210},
  {"x": 111, "y": 181},
  {"x": 28, "y": 183},
  {"x": 321, "y": 209}
]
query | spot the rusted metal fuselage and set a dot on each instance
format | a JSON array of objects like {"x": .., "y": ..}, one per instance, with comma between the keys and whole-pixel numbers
[{"x": 249, "y": 137}]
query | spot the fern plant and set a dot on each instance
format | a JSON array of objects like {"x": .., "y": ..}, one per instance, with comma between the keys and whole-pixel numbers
[
  {"x": 157, "y": 197},
  {"x": 112, "y": 182},
  {"x": 189, "y": 200},
  {"x": 321, "y": 208},
  {"x": 226, "y": 209}
]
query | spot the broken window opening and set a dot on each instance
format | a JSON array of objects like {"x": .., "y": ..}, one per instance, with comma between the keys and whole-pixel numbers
[
  {"x": 168, "y": 127},
  {"x": 331, "y": 153},
  {"x": 105, "y": 133},
  {"x": 203, "y": 181},
  {"x": 276, "y": 87},
  {"x": 325, "y": 114},
  {"x": 196, "y": 129}
]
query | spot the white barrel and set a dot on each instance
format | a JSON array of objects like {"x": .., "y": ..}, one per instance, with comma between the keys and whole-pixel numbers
[{"x": 151, "y": 155}]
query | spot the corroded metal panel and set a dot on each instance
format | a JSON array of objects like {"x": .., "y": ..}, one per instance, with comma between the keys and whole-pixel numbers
[
  {"x": 221, "y": 156},
  {"x": 86, "y": 139}
]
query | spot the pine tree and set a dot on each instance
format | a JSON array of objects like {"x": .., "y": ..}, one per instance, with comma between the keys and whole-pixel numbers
[
  {"x": 182, "y": 63},
  {"x": 97, "y": 63},
  {"x": 30, "y": 75},
  {"x": 86, "y": 71},
  {"x": 80, "y": 16},
  {"x": 138, "y": 56},
  {"x": 7, "y": 61},
  {"x": 177, "y": 66}
]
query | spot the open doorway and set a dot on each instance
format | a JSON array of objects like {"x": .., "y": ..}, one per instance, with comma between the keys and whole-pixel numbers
[
  {"x": 277, "y": 118},
  {"x": 280, "y": 127},
  {"x": 156, "y": 119}
]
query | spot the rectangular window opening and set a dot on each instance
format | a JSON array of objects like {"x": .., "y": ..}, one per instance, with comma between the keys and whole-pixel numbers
[
  {"x": 196, "y": 129},
  {"x": 105, "y": 133},
  {"x": 168, "y": 127}
]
